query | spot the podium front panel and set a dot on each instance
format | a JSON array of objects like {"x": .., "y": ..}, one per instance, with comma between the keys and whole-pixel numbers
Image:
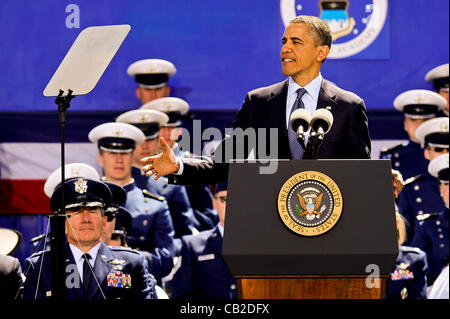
[{"x": 363, "y": 241}]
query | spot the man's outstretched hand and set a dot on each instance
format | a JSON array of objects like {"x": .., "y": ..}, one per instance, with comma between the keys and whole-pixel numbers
[{"x": 162, "y": 164}]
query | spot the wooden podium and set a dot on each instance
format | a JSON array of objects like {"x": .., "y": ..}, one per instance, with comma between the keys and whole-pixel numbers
[
  {"x": 309, "y": 287},
  {"x": 271, "y": 261}
]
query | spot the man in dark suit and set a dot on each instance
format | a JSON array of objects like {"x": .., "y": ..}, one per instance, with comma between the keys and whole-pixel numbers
[
  {"x": 306, "y": 44},
  {"x": 93, "y": 270}
]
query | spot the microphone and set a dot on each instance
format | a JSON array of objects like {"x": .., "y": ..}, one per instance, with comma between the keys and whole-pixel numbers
[
  {"x": 299, "y": 123},
  {"x": 321, "y": 122}
]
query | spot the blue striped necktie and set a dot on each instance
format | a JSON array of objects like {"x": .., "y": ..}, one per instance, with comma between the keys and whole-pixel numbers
[{"x": 295, "y": 147}]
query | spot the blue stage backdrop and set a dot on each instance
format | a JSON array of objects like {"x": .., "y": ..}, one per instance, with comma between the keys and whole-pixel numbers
[{"x": 221, "y": 49}]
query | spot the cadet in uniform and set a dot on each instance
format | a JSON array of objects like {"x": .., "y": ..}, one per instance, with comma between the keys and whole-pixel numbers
[
  {"x": 150, "y": 121},
  {"x": 440, "y": 78},
  {"x": 93, "y": 270},
  {"x": 203, "y": 273},
  {"x": 408, "y": 280},
  {"x": 152, "y": 228},
  {"x": 152, "y": 76},
  {"x": 417, "y": 106},
  {"x": 432, "y": 230},
  {"x": 200, "y": 196},
  {"x": 420, "y": 194}
]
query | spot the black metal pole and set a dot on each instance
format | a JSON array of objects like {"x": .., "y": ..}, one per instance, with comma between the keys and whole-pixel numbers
[{"x": 57, "y": 220}]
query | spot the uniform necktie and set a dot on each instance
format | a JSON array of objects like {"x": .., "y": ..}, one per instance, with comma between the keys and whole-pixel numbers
[
  {"x": 295, "y": 147},
  {"x": 87, "y": 273}
]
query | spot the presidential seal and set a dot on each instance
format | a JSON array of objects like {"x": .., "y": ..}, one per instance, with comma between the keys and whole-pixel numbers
[{"x": 310, "y": 203}]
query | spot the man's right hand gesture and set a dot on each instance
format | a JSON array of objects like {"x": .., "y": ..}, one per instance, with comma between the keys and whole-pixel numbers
[{"x": 162, "y": 164}]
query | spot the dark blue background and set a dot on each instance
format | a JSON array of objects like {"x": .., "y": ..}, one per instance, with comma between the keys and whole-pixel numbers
[{"x": 222, "y": 49}]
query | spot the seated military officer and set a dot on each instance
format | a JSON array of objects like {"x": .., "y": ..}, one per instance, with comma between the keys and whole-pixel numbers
[
  {"x": 152, "y": 228},
  {"x": 152, "y": 76},
  {"x": 420, "y": 194},
  {"x": 200, "y": 196},
  {"x": 432, "y": 230},
  {"x": 408, "y": 280},
  {"x": 440, "y": 78},
  {"x": 203, "y": 273},
  {"x": 150, "y": 122},
  {"x": 93, "y": 270},
  {"x": 417, "y": 106},
  {"x": 71, "y": 170}
]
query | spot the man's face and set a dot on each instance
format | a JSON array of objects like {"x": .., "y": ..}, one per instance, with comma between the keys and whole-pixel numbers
[
  {"x": 147, "y": 95},
  {"x": 108, "y": 230},
  {"x": 301, "y": 55},
  {"x": 170, "y": 134},
  {"x": 86, "y": 226},
  {"x": 432, "y": 152},
  {"x": 148, "y": 148},
  {"x": 117, "y": 166},
  {"x": 410, "y": 125},
  {"x": 220, "y": 204},
  {"x": 443, "y": 187}
]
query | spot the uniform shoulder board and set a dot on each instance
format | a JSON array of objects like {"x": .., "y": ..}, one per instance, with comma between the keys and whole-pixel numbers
[
  {"x": 121, "y": 248},
  {"x": 426, "y": 216},
  {"x": 413, "y": 179},
  {"x": 392, "y": 149},
  {"x": 41, "y": 252},
  {"x": 154, "y": 196},
  {"x": 37, "y": 238}
]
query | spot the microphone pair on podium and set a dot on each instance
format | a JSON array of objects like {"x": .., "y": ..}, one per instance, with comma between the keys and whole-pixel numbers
[{"x": 320, "y": 123}]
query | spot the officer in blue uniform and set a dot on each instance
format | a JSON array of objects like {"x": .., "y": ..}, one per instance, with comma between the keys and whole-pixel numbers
[
  {"x": 203, "y": 273},
  {"x": 151, "y": 76},
  {"x": 417, "y": 106},
  {"x": 200, "y": 196},
  {"x": 71, "y": 170},
  {"x": 420, "y": 195},
  {"x": 408, "y": 280},
  {"x": 432, "y": 230},
  {"x": 150, "y": 122},
  {"x": 93, "y": 270},
  {"x": 151, "y": 229},
  {"x": 440, "y": 78}
]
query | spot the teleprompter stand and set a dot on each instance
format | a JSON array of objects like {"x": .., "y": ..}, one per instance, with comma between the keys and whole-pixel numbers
[
  {"x": 350, "y": 261},
  {"x": 78, "y": 74}
]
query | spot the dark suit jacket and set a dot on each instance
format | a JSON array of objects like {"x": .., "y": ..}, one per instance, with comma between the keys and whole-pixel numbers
[
  {"x": 10, "y": 277},
  {"x": 203, "y": 273},
  {"x": 131, "y": 262},
  {"x": 266, "y": 108}
]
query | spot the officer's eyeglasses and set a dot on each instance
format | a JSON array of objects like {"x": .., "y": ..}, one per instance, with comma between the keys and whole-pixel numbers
[
  {"x": 438, "y": 149},
  {"x": 223, "y": 199}
]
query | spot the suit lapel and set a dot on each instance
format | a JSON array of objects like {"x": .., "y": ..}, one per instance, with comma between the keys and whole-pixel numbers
[
  {"x": 326, "y": 97},
  {"x": 101, "y": 270},
  {"x": 277, "y": 107}
]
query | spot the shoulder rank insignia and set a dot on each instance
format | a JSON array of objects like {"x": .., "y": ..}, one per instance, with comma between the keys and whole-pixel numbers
[
  {"x": 413, "y": 179},
  {"x": 116, "y": 262},
  {"x": 392, "y": 148},
  {"x": 426, "y": 216},
  {"x": 154, "y": 196}
]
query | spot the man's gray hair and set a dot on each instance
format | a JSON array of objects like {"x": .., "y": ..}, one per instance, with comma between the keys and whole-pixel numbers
[{"x": 320, "y": 28}]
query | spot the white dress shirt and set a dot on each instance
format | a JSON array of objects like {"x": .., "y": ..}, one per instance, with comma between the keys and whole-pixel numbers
[{"x": 309, "y": 99}]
